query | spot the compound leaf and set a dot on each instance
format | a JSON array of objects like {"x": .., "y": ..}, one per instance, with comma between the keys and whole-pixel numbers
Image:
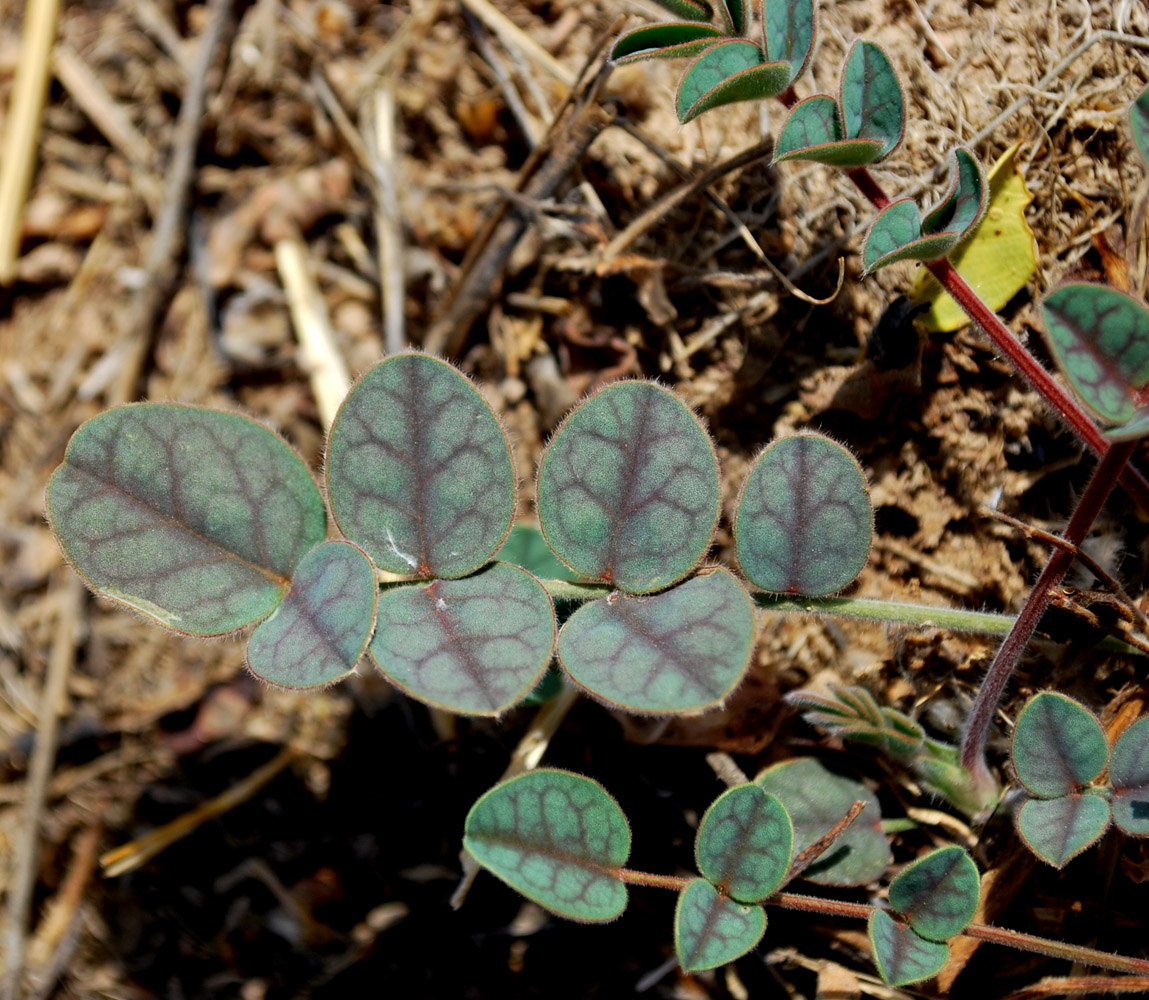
[
  {"x": 873, "y": 106},
  {"x": 729, "y": 71},
  {"x": 1057, "y": 830},
  {"x": 688, "y": 10},
  {"x": 475, "y": 646},
  {"x": 789, "y": 28},
  {"x": 1058, "y": 745},
  {"x": 1139, "y": 119},
  {"x": 745, "y": 843},
  {"x": 900, "y": 233},
  {"x": 816, "y": 800},
  {"x": 321, "y": 628},
  {"x": 938, "y": 893},
  {"x": 1100, "y": 339},
  {"x": 903, "y": 957},
  {"x": 628, "y": 488},
  {"x": 678, "y": 652},
  {"x": 1129, "y": 775},
  {"x": 192, "y": 517},
  {"x": 419, "y": 469},
  {"x": 804, "y": 521},
  {"x": 996, "y": 261},
  {"x": 556, "y": 837},
  {"x": 664, "y": 41},
  {"x": 711, "y": 930}
]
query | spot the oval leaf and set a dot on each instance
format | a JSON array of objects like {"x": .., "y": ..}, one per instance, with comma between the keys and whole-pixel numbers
[
  {"x": 893, "y": 235},
  {"x": 321, "y": 628},
  {"x": 689, "y": 10},
  {"x": 1100, "y": 339},
  {"x": 733, "y": 16},
  {"x": 192, "y": 517},
  {"x": 730, "y": 71},
  {"x": 813, "y": 131},
  {"x": 681, "y": 651},
  {"x": 903, "y": 957},
  {"x": 628, "y": 488},
  {"x": 1129, "y": 775},
  {"x": 711, "y": 930},
  {"x": 664, "y": 41},
  {"x": 789, "y": 28},
  {"x": 816, "y": 800},
  {"x": 526, "y": 547},
  {"x": 872, "y": 103},
  {"x": 419, "y": 470},
  {"x": 1057, "y": 830},
  {"x": 745, "y": 843},
  {"x": 996, "y": 261},
  {"x": 475, "y": 646},
  {"x": 556, "y": 837},
  {"x": 938, "y": 893},
  {"x": 804, "y": 521},
  {"x": 1058, "y": 745}
]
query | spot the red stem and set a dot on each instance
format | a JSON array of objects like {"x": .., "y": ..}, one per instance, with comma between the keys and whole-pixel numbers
[
  {"x": 1135, "y": 484},
  {"x": 989, "y": 694}
]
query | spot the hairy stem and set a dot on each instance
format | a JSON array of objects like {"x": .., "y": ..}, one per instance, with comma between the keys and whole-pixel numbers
[
  {"x": 1041, "y": 381},
  {"x": 983, "y": 932},
  {"x": 675, "y": 882},
  {"x": 989, "y": 694}
]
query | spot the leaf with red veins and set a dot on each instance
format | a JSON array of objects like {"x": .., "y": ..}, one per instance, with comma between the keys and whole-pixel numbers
[
  {"x": 419, "y": 469},
  {"x": 678, "y": 652},
  {"x": 193, "y": 517},
  {"x": 475, "y": 646},
  {"x": 317, "y": 634},
  {"x": 628, "y": 488}
]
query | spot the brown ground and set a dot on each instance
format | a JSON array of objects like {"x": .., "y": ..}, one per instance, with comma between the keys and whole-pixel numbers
[{"x": 334, "y": 877}]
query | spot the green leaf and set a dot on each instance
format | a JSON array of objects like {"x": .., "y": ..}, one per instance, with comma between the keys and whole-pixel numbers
[
  {"x": 1057, "y": 830},
  {"x": 556, "y": 837},
  {"x": 745, "y": 843},
  {"x": 688, "y": 10},
  {"x": 1129, "y": 776},
  {"x": 903, "y": 957},
  {"x": 1139, "y": 119},
  {"x": 711, "y": 930},
  {"x": 900, "y": 233},
  {"x": 813, "y": 128},
  {"x": 1058, "y": 745},
  {"x": 419, "y": 470},
  {"x": 804, "y": 521},
  {"x": 938, "y": 893},
  {"x": 872, "y": 103},
  {"x": 1100, "y": 339},
  {"x": 664, "y": 41},
  {"x": 628, "y": 488},
  {"x": 681, "y": 651},
  {"x": 192, "y": 517},
  {"x": 733, "y": 16},
  {"x": 729, "y": 71},
  {"x": 816, "y": 800},
  {"x": 526, "y": 547},
  {"x": 475, "y": 646},
  {"x": 789, "y": 28},
  {"x": 317, "y": 634}
]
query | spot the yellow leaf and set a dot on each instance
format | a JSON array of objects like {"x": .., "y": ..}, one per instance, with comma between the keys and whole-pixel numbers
[{"x": 997, "y": 260}]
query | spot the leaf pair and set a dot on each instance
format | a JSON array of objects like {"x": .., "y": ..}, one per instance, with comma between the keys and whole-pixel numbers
[
  {"x": 1100, "y": 339},
  {"x": 1059, "y": 749},
  {"x": 863, "y": 125},
  {"x": 628, "y": 494},
  {"x": 936, "y": 897},
  {"x": 727, "y": 68},
  {"x": 900, "y": 232}
]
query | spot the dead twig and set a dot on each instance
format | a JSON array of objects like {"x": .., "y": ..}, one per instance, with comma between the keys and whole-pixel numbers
[
  {"x": 384, "y": 160},
  {"x": 24, "y": 861},
  {"x": 23, "y": 131}
]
